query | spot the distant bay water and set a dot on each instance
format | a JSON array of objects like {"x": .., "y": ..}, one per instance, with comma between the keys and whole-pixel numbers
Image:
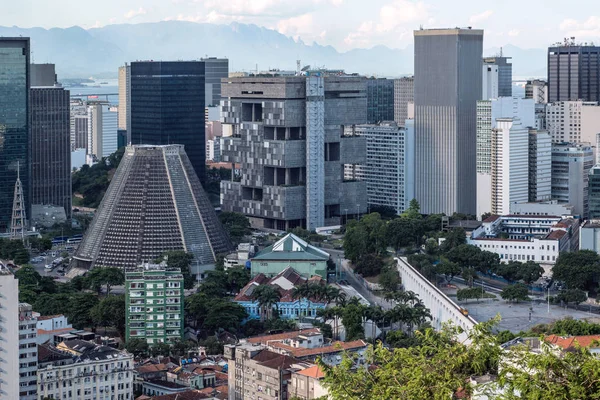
[{"x": 104, "y": 89}]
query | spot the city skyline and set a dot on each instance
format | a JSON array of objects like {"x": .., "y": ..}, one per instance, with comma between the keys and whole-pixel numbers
[{"x": 383, "y": 22}]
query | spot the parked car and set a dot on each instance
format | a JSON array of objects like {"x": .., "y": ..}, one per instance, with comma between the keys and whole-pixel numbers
[{"x": 48, "y": 267}]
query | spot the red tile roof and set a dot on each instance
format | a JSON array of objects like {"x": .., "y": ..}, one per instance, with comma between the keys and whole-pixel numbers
[
  {"x": 280, "y": 336},
  {"x": 335, "y": 347},
  {"x": 149, "y": 368},
  {"x": 556, "y": 235},
  {"x": 572, "y": 341},
  {"x": 45, "y": 317},
  {"x": 491, "y": 218},
  {"x": 313, "y": 372}
]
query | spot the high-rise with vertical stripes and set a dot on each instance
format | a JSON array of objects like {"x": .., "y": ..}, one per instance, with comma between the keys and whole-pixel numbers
[{"x": 448, "y": 81}]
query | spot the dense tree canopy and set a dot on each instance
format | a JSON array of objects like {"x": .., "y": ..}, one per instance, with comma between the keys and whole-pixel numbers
[
  {"x": 92, "y": 182},
  {"x": 515, "y": 292},
  {"x": 236, "y": 225},
  {"x": 578, "y": 269},
  {"x": 13, "y": 250}
]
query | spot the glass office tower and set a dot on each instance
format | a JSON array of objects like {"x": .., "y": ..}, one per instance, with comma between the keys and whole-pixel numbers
[
  {"x": 167, "y": 106},
  {"x": 14, "y": 128}
]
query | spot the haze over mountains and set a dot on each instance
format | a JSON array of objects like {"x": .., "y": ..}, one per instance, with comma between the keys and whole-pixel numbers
[{"x": 80, "y": 53}]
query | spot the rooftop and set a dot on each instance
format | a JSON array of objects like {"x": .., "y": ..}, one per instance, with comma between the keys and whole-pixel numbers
[
  {"x": 292, "y": 248},
  {"x": 281, "y": 336},
  {"x": 574, "y": 341},
  {"x": 313, "y": 372},
  {"x": 335, "y": 347}
]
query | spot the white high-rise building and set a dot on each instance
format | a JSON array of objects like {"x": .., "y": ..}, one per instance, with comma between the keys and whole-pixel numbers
[
  {"x": 404, "y": 94},
  {"x": 490, "y": 82},
  {"x": 9, "y": 333},
  {"x": 573, "y": 121},
  {"x": 28, "y": 355},
  {"x": 571, "y": 164},
  {"x": 102, "y": 130},
  {"x": 124, "y": 101},
  {"x": 540, "y": 165},
  {"x": 213, "y": 150},
  {"x": 488, "y": 113},
  {"x": 390, "y": 168}
]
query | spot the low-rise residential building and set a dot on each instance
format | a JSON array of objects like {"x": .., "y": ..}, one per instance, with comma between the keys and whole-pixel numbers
[
  {"x": 78, "y": 369},
  {"x": 307, "y": 384},
  {"x": 288, "y": 306},
  {"x": 290, "y": 251},
  {"x": 49, "y": 326},
  {"x": 154, "y": 301},
  {"x": 244, "y": 252},
  {"x": 538, "y": 238}
]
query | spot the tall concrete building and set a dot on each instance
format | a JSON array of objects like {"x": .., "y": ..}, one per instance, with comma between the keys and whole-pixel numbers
[
  {"x": 573, "y": 121},
  {"x": 540, "y": 165},
  {"x": 146, "y": 286},
  {"x": 537, "y": 89},
  {"x": 124, "y": 99},
  {"x": 447, "y": 87},
  {"x": 573, "y": 72},
  {"x": 490, "y": 82},
  {"x": 154, "y": 203},
  {"x": 288, "y": 134},
  {"x": 571, "y": 164},
  {"x": 504, "y": 73},
  {"x": 215, "y": 69},
  {"x": 43, "y": 75},
  {"x": 390, "y": 167},
  {"x": 14, "y": 123},
  {"x": 50, "y": 146},
  {"x": 167, "y": 106},
  {"x": 28, "y": 355},
  {"x": 9, "y": 328},
  {"x": 488, "y": 113},
  {"x": 594, "y": 193},
  {"x": 404, "y": 94},
  {"x": 380, "y": 100},
  {"x": 102, "y": 130}
]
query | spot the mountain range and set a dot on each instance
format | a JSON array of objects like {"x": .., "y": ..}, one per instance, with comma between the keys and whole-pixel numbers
[{"x": 79, "y": 53}]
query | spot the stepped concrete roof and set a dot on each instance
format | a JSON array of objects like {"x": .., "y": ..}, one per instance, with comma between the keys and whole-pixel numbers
[{"x": 292, "y": 248}]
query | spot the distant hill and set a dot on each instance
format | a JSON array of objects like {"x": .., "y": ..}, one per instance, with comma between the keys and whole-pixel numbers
[{"x": 80, "y": 53}]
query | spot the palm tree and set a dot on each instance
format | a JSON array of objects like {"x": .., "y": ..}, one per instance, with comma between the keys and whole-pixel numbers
[
  {"x": 332, "y": 294},
  {"x": 267, "y": 296}
]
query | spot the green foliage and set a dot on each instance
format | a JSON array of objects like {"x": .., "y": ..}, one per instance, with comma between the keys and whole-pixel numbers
[
  {"x": 211, "y": 313},
  {"x": 389, "y": 278},
  {"x": 79, "y": 309},
  {"x": 398, "y": 339},
  {"x": 367, "y": 236},
  {"x": 453, "y": 238},
  {"x": 182, "y": 260},
  {"x": 40, "y": 244},
  {"x": 110, "y": 311},
  {"x": 267, "y": 297},
  {"x": 448, "y": 269},
  {"x": 369, "y": 265},
  {"x": 108, "y": 276},
  {"x": 513, "y": 271},
  {"x": 212, "y": 345},
  {"x": 386, "y": 212},
  {"x": 578, "y": 269},
  {"x": 470, "y": 293},
  {"x": 13, "y": 250},
  {"x": 237, "y": 225},
  {"x": 576, "y": 296},
  {"x": 505, "y": 336},
  {"x": 515, "y": 292},
  {"x": 92, "y": 182},
  {"x": 307, "y": 235},
  {"x": 138, "y": 347},
  {"x": 352, "y": 319}
]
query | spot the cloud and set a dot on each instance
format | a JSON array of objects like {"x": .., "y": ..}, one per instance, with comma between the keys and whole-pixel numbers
[
  {"x": 514, "y": 32},
  {"x": 398, "y": 19},
  {"x": 135, "y": 13},
  {"x": 478, "y": 18},
  {"x": 212, "y": 17},
  {"x": 588, "y": 28},
  {"x": 301, "y": 24}
]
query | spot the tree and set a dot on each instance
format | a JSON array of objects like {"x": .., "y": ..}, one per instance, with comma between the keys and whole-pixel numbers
[
  {"x": 183, "y": 261},
  {"x": 237, "y": 225},
  {"x": 471, "y": 293},
  {"x": 212, "y": 345},
  {"x": 509, "y": 271},
  {"x": 515, "y": 292},
  {"x": 40, "y": 244},
  {"x": 389, "y": 279},
  {"x": 400, "y": 232},
  {"x": 27, "y": 275},
  {"x": 578, "y": 269},
  {"x": 465, "y": 255},
  {"x": 369, "y": 265},
  {"x": 224, "y": 314},
  {"x": 531, "y": 272},
  {"x": 237, "y": 278},
  {"x": 138, "y": 347},
  {"x": 108, "y": 276},
  {"x": 110, "y": 311},
  {"x": 267, "y": 296},
  {"x": 413, "y": 211},
  {"x": 453, "y": 238},
  {"x": 448, "y": 269},
  {"x": 352, "y": 319},
  {"x": 79, "y": 310},
  {"x": 576, "y": 296},
  {"x": 160, "y": 349}
]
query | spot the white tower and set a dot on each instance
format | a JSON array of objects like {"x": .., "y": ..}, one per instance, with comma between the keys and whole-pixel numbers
[{"x": 17, "y": 225}]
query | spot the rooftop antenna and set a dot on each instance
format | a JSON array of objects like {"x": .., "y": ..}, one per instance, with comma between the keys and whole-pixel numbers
[{"x": 500, "y": 51}]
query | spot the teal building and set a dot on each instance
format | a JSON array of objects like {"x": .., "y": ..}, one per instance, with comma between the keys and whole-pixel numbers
[
  {"x": 154, "y": 303},
  {"x": 291, "y": 251}
]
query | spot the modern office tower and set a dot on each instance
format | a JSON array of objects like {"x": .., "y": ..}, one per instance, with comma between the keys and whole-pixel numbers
[
  {"x": 380, "y": 100},
  {"x": 214, "y": 69},
  {"x": 447, "y": 87},
  {"x": 488, "y": 112},
  {"x": 102, "y": 130},
  {"x": 154, "y": 203},
  {"x": 14, "y": 123},
  {"x": 571, "y": 164},
  {"x": 404, "y": 93},
  {"x": 573, "y": 73},
  {"x": 42, "y": 75},
  {"x": 594, "y": 193},
  {"x": 213, "y": 150},
  {"x": 540, "y": 165},
  {"x": 9, "y": 345},
  {"x": 509, "y": 159},
  {"x": 504, "y": 73},
  {"x": 389, "y": 170},
  {"x": 154, "y": 303},
  {"x": 537, "y": 89},
  {"x": 573, "y": 121},
  {"x": 27, "y": 353},
  {"x": 124, "y": 100},
  {"x": 167, "y": 106},
  {"x": 288, "y": 135},
  {"x": 79, "y": 131},
  {"x": 50, "y": 146},
  {"x": 490, "y": 82},
  {"x": 540, "y": 116}
]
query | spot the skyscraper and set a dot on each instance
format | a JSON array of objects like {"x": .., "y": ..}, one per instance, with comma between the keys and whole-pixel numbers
[
  {"x": 102, "y": 130},
  {"x": 124, "y": 100},
  {"x": 14, "y": 123},
  {"x": 404, "y": 93},
  {"x": 540, "y": 165},
  {"x": 594, "y": 193},
  {"x": 504, "y": 73},
  {"x": 9, "y": 326},
  {"x": 380, "y": 100},
  {"x": 167, "y": 106},
  {"x": 447, "y": 87},
  {"x": 573, "y": 72},
  {"x": 571, "y": 164},
  {"x": 490, "y": 82},
  {"x": 50, "y": 147},
  {"x": 215, "y": 69}
]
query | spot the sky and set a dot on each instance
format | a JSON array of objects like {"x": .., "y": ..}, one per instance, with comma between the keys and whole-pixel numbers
[{"x": 344, "y": 24}]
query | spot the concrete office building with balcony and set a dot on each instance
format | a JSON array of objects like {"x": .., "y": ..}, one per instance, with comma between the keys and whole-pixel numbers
[
  {"x": 288, "y": 134},
  {"x": 154, "y": 303},
  {"x": 9, "y": 345},
  {"x": 573, "y": 72}
]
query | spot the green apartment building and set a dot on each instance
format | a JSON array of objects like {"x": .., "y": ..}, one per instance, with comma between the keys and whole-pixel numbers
[{"x": 154, "y": 301}]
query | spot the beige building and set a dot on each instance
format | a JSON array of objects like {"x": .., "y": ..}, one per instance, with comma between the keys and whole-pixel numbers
[
  {"x": 573, "y": 121},
  {"x": 124, "y": 103},
  {"x": 306, "y": 384},
  {"x": 9, "y": 331}
]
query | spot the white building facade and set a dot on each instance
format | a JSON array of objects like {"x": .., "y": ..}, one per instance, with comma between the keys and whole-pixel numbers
[
  {"x": 9, "y": 331},
  {"x": 490, "y": 82},
  {"x": 573, "y": 121},
  {"x": 28, "y": 356},
  {"x": 540, "y": 165},
  {"x": 571, "y": 164}
]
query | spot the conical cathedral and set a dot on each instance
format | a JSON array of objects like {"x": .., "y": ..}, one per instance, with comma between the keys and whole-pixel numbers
[{"x": 154, "y": 203}]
